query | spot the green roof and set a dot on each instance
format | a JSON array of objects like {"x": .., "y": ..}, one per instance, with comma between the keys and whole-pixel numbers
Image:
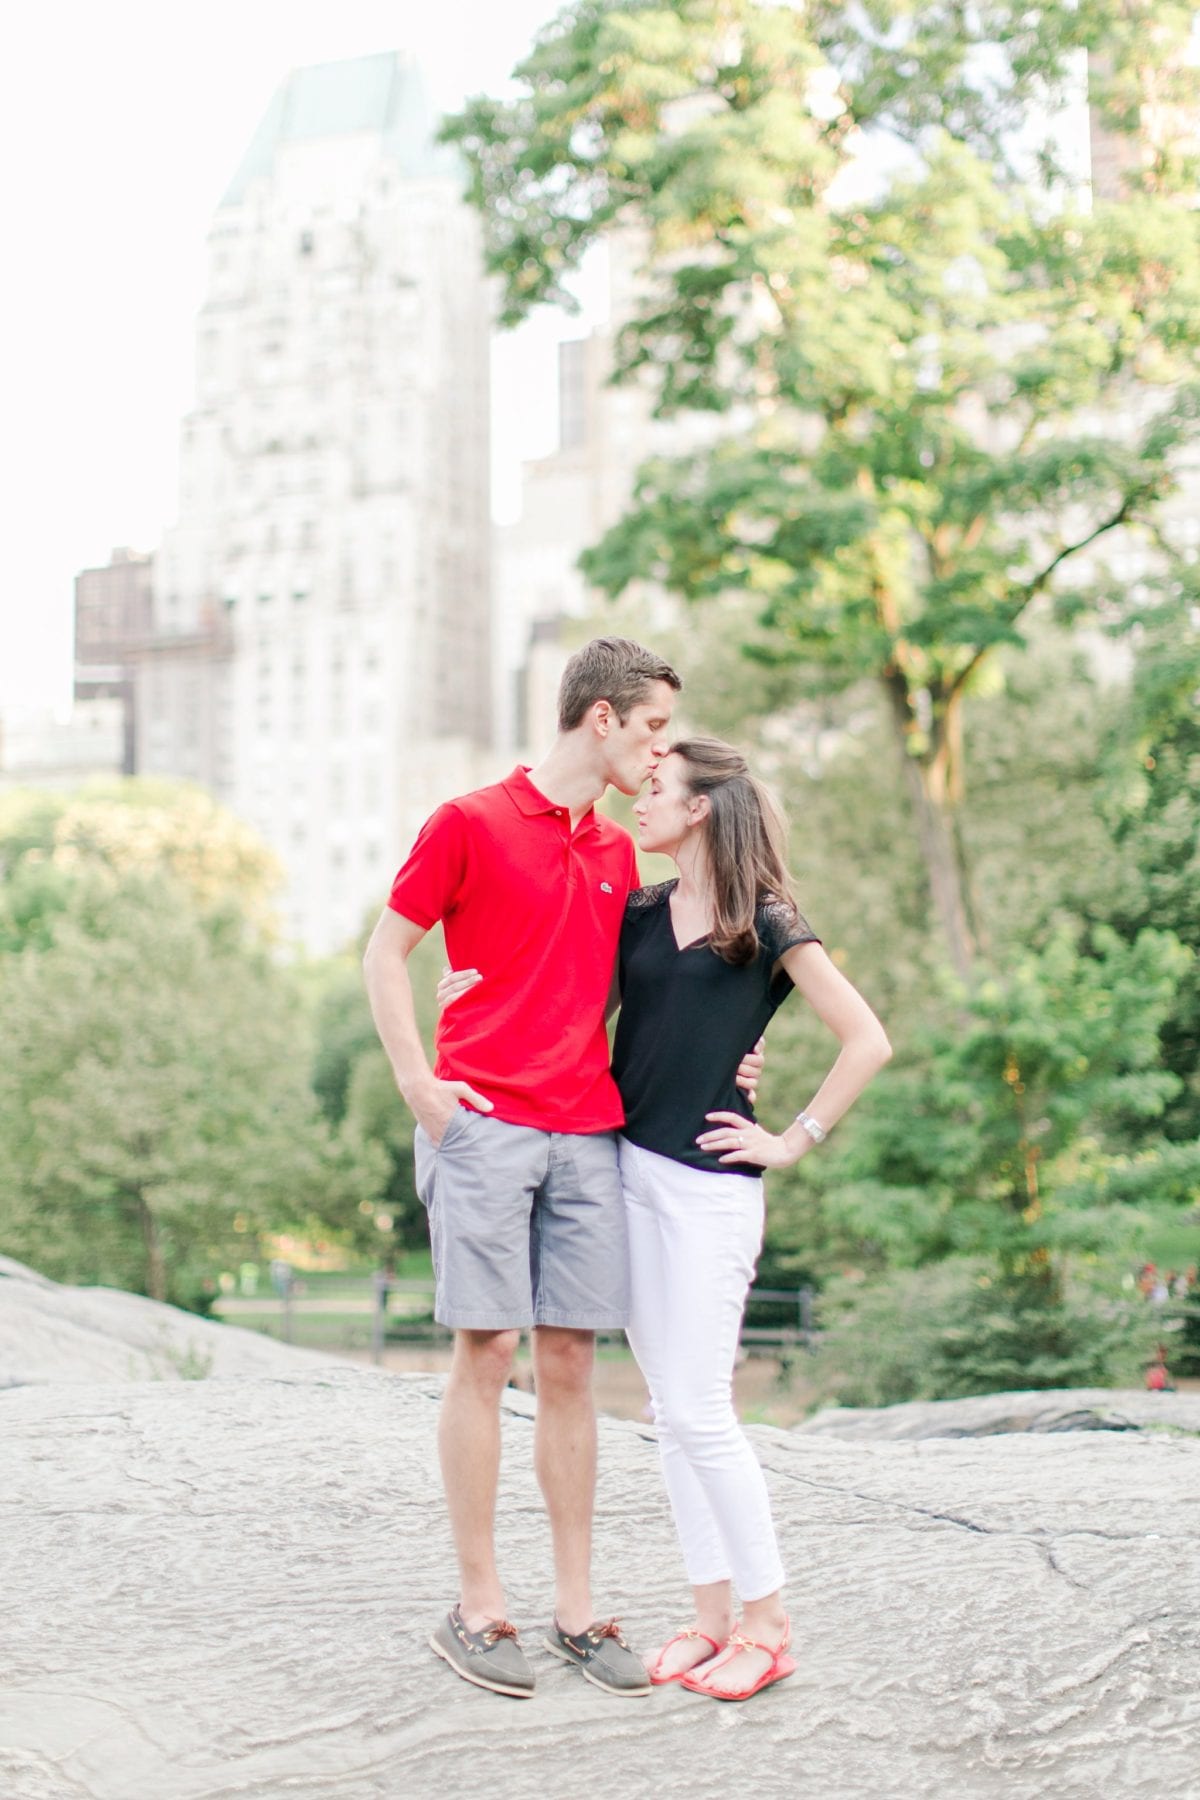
[{"x": 384, "y": 94}]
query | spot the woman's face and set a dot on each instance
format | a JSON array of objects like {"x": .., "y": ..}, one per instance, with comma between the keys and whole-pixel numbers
[{"x": 665, "y": 811}]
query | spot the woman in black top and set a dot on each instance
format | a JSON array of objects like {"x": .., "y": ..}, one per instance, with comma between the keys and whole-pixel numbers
[{"x": 704, "y": 962}]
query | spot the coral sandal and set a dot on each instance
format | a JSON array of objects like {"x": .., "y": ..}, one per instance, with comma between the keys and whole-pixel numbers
[
  {"x": 681, "y": 1637},
  {"x": 780, "y": 1667}
]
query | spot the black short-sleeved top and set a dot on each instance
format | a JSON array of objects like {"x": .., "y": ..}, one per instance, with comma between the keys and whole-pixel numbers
[{"x": 687, "y": 1019}]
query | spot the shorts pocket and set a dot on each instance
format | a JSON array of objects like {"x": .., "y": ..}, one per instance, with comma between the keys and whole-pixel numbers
[
  {"x": 424, "y": 1165},
  {"x": 456, "y": 1124}
]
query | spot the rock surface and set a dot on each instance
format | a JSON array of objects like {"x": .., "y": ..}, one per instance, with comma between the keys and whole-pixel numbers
[
  {"x": 222, "y": 1588},
  {"x": 54, "y": 1333},
  {"x": 992, "y": 1415}
]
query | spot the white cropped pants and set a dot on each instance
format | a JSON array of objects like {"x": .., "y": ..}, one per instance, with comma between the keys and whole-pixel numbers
[{"x": 694, "y": 1239}]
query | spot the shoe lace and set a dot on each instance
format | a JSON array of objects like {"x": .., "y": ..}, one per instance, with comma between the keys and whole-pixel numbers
[
  {"x": 501, "y": 1629},
  {"x": 611, "y": 1630}
]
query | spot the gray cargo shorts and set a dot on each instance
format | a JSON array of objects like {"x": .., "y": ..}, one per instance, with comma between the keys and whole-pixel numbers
[{"x": 527, "y": 1226}]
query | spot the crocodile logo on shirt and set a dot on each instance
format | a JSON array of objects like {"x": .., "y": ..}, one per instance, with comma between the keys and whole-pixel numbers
[{"x": 606, "y": 887}]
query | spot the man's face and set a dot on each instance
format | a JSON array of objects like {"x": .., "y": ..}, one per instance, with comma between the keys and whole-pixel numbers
[{"x": 639, "y": 745}]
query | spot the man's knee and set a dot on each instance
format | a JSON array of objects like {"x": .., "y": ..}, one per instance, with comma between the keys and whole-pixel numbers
[
  {"x": 485, "y": 1358},
  {"x": 563, "y": 1359}
]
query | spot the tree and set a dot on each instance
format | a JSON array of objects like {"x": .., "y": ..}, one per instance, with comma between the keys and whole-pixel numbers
[
  {"x": 52, "y": 846},
  {"x": 1033, "y": 1130},
  {"x": 922, "y": 387},
  {"x": 353, "y": 1081},
  {"x": 1152, "y": 802},
  {"x": 1021, "y": 1154},
  {"x": 154, "y": 1099}
]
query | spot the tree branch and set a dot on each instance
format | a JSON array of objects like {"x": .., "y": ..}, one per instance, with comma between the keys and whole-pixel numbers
[{"x": 1034, "y": 586}]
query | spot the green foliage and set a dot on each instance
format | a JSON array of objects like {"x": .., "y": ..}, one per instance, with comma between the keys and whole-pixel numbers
[
  {"x": 949, "y": 1331},
  {"x": 1152, "y": 802},
  {"x": 344, "y": 1032},
  {"x": 155, "y": 1110},
  {"x": 941, "y": 392},
  {"x": 353, "y": 1080},
  {"x": 736, "y": 113},
  {"x": 878, "y": 1339},
  {"x": 57, "y": 846},
  {"x": 1033, "y": 1128},
  {"x": 1185, "y": 1348},
  {"x": 1057, "y": 764},
  {"x": 377, "y": 1115}
]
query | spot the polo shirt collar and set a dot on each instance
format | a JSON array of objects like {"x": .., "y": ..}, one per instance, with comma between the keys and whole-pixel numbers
[{"x": 531, "y": 801}]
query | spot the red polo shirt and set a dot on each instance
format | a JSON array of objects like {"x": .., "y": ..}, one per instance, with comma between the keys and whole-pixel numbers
[{"x": 537, "y": 909}]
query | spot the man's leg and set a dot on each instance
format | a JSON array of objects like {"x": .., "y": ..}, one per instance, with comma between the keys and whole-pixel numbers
[
  {"x": 564, "y": 1453},
  {"x": 580, "y": 1271},
  {"x": 469, "y": 1448}
]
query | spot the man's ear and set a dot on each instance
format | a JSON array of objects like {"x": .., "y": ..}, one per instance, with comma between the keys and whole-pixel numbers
[{"x": 602, "y": 717}]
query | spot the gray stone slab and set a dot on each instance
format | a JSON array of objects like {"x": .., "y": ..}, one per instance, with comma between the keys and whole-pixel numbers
[
  {"x": 223, "y": 1588},
  {"x": 989, "y": 1415},
  {"x": 86, "y": 1334}
]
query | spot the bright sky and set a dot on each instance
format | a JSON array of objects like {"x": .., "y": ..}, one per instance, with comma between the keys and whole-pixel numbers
[{"x": 120, "y": 125}]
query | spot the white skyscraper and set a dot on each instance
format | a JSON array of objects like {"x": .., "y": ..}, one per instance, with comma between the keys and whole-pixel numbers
[{"x": 321, "y": 649}]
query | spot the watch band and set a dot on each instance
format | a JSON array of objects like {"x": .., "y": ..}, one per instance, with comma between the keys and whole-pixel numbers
[{"x": 816, "y": 1132}]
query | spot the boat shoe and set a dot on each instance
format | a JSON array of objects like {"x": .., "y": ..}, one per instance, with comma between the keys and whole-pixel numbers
[
  {"x": 491, "y": 1658},
  {"x": 602, "y": 1657}
]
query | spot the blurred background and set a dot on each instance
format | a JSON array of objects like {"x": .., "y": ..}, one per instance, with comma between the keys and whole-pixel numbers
[{"x": 847, "y": 355}]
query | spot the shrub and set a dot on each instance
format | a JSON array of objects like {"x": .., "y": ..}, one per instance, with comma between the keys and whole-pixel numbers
[{"x": 951, "y": 1329}]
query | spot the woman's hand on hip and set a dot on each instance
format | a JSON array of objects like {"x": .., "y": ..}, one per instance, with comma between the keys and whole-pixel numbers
[
  {"x": 454, "y": 984},
  {"x": 737, "y": 1140}
]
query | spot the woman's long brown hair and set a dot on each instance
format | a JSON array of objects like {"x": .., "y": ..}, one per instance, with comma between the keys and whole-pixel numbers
[{"x": 747, "y": 843}]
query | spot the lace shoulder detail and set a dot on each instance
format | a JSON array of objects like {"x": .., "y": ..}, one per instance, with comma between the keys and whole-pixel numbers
[
  {"x": 780, "y": 925},
  {"x": 644, "y": 899}
]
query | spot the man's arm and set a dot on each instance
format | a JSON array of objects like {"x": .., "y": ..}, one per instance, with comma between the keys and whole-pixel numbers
[
  {"x": 457, "y": 982},
  {"x": 385, "y": 967}
]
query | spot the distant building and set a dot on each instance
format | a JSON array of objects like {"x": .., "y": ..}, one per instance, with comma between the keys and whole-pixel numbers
[
  {"x": 113, "y": 618},
  {"x": 570, "y": 498},
  {"x": 321, "y": 652}
]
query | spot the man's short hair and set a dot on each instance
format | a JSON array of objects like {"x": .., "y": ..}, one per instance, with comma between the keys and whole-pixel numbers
[{"x": 612, "y": 669}]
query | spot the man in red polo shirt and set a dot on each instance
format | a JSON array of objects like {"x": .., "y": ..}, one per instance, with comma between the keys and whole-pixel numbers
[{"x": 515, "y": 1145}]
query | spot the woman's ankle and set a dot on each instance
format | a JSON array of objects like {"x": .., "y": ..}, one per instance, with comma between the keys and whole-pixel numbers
[
  {"x": 716, "y": 1625},
  {"x": 765, "y": 1620},
  {"x": 713, "y": 1602}
]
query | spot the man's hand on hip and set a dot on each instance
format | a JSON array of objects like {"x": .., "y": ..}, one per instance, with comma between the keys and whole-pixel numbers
[
  {"x": 435, "y": 1106},
  {"x": 750, "y": 1069}
]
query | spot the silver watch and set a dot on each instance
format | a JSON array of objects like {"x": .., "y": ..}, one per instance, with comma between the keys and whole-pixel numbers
[{"x": 816, "y": 1132}]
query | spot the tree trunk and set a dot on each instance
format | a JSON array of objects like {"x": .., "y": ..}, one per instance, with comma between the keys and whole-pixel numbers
[
  {"x": 927, "y": 786},
  {"x": 156, "y": 1267},
  {"x": 941, "y": 868},
  {"x": 948, "y": 799}
]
